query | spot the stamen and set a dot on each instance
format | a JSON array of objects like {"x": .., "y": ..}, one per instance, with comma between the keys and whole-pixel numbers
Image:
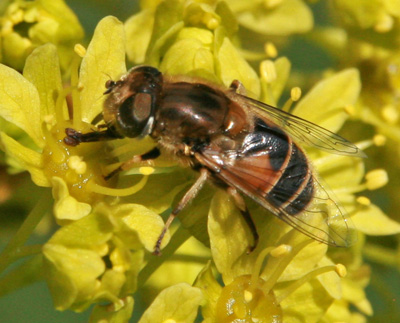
[
  {"x": 339, "y": 269},
  {"x": 60, "y": 103},
  {"x": 379, "y": 140},
  {"x": 288, "y": 105},
  {"x": 77, "y": 164},
  {"x": 257, "y": 266},
  {"x": 349, "y": 109},
  {"x": 282, "y": 250},
  {"x": 80, "y": 50},
  {"x": 295, "y": 93},
  {"x": 365, "y": 144},
  {"x": 77, "y": 115},
  {"x": 270, "y": 50},
  {"x": 54, "y": 150},
  {"x": 363, "y": 200},
  {"x": 390, "y": 114},
  {"x": 371, "y": 118},
  {"x": 210, "y": 21},
  {"x": 376, "y": 179},
  {"x": 99, "y": 189},
  {"x": 121, "y": 150},
  {"x": 240, "y": 310},
  {"x": 268, "y": 71},
  {"x": 384, "y": 24},
  {"x": 146, "y": 170},
  {"x": 248, "y": 296},
  {"x": 281, "y": 266},
  {"x": 49, "y": 119}
]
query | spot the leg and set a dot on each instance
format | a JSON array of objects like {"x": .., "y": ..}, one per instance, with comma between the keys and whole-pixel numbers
[
  {"x": 239, "y": 201},
  {"x": 238, "y": 87},
  {"x": 190, "y": 195},
  {"x": 74, "y": 137},
  {"x": 152, "y": 154},
  {"x": 97, "y": 118}
]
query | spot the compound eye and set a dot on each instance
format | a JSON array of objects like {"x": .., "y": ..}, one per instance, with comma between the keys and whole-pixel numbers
[
  {"x": 134, "y": 114},
  {"x": 142, "y": 106}
]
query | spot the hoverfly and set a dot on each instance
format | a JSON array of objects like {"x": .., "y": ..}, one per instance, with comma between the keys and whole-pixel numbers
[{"x": 240, "y": 144}]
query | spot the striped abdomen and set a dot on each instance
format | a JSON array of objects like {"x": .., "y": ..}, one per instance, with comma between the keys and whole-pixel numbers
[{"x": 286, "y": 181}]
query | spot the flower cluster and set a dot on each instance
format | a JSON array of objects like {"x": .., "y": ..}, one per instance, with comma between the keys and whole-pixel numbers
[{"x": 101, "y": 252}]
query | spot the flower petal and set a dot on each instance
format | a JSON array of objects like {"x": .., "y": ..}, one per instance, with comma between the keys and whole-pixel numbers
[
  {"x": 194, "y": 217},
  {"x": 178, "y": 303},
  {"x": 167, "y": 22},
  {"x": 211, "y": 290},
  {"x": 71, "y": 275},
  {"x": 308, "y": 303},
  {"x": 330, "y": 280},
  {"x": 305, "y": 261},
  {"x": 102, "y": 313},
  {"x": 42, "y": 69},
  {"x": 163, "y": 188},
  {"x": 91, "y": 232},
  {"x": 228, "y": 236},
  {"x": 282, "y": 66},
  {"x": 138, "y": 29},
  {"x": 341, "y": 171},
  {"x": 146, "y": 223},
  {"x": 181, "y": 269},
  {"x": 372, "y": 221},
  {"x": 25, "y": 158},
  {"x": 289, "y": 17},
  {"x": 325, "y": 103},
  {"x": 231, "y": 66},
  {"x": 20, "y": 103},
  {"x": 190, "y": 52},
  {"x": 105, "y": 58},
  {"x": 66, "y": 207}
]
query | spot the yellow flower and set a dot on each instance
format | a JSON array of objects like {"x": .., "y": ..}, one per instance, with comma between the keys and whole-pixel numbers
[
  {"x": 35, "y": 103},
  {"x": 379, "y": 15},
  {"x": 368, "y": 38},
  {"x": 274, "y": 17},
  {"x": 26, "y": 25},
  {"x": 98, "y": 253},
  {"x": 177, "y": 303}
]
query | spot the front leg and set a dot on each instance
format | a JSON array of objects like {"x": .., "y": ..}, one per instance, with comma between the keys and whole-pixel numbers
[{"x": 74, "y": 137}]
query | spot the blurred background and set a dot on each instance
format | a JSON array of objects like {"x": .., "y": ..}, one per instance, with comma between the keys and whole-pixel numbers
[{"x": 34, "y": 304}]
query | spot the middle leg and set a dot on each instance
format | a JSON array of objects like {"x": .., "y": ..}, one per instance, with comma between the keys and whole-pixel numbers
[{"x": 240, "y": 203}]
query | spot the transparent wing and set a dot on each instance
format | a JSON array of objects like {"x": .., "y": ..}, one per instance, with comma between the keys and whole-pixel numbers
[
  {"x": 302, "y": 130},
  {"x": 322, "y": 219}
]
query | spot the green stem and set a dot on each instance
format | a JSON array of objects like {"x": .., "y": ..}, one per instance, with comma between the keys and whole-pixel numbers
[
  {"x": 26, "y": 251},
  {"x": 381, "y": 255},
  {"x": 177, "y": 239},
  {"x": 13, "y": 248}
]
